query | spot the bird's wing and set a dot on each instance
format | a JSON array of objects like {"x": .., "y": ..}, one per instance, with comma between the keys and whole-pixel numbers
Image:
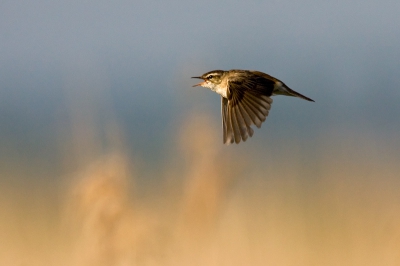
[
  {"x": 226, "y": 128},
  {"x": 248, "y": 103}
]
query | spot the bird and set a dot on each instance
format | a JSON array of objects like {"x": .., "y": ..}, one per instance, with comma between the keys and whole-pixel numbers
[{"x": 245, "y": 99}]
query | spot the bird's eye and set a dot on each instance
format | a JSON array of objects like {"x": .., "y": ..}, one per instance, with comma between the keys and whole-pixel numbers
[{"x": 210, "y": 76}]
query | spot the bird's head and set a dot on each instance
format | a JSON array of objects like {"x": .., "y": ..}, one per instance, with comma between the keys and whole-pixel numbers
[{"x": 211, "y": 79}]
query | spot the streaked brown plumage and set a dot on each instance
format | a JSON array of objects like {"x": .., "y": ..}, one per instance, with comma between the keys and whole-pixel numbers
[{"x": 245, "y": 99}]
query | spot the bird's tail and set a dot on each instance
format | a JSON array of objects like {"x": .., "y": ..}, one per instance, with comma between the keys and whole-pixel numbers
[{"x": 282, "y": 89}]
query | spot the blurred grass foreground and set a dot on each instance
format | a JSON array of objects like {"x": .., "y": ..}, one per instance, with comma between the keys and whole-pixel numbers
[{"x": 208, "y": 206}]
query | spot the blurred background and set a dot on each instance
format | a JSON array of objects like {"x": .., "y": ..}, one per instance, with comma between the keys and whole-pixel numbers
[{"x": 108, "y": 156}]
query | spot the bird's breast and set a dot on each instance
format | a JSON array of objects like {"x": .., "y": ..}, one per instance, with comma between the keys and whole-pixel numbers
[{"x": 221, "y": 90}]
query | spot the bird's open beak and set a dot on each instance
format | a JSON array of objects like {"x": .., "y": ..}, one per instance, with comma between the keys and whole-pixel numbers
[{"x": 199, "y": 83}]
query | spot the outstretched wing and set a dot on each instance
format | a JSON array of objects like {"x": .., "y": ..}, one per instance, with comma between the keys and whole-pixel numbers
[{"x": 248, "y": 103}]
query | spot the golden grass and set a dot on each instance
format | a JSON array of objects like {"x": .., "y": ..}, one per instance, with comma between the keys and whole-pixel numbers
[{"x": 216, "y": 212}]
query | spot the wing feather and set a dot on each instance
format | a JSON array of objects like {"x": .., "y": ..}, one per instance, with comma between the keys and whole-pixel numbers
[
  {"x": 235, "y": 124},
  {"x": 253, "y": 111},
  {"x": 255, "y": 115},
  {"x": 246, "y": 118},
  {"x": 241, "y": 122},
  {"x": 226, "y": 122},
  {"x": 248, "y": 103},
  {"x": 258, "y": 100}
]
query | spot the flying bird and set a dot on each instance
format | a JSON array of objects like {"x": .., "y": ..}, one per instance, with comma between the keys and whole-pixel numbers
[{"x": 245, "y": 99}]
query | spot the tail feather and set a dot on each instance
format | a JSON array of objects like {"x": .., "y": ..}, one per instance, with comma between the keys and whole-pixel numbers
[
  {"x": 282, "y": 89},
  {"x": 296, "y": 94}
]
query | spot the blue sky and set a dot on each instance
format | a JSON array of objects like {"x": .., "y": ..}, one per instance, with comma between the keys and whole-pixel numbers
[{"x": 134, "y": 59}]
